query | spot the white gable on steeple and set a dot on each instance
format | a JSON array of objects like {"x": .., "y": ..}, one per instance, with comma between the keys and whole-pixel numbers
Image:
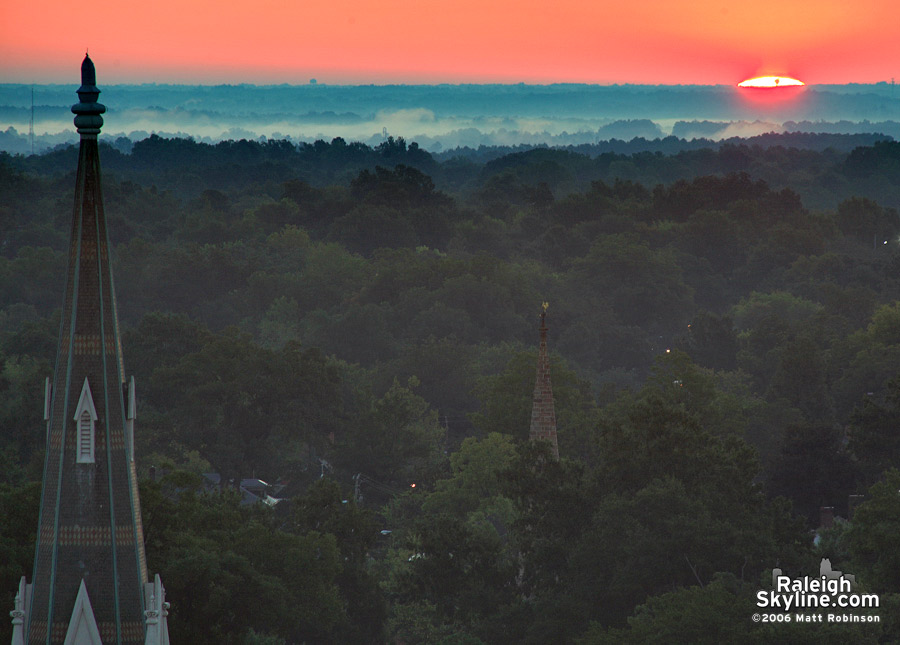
[
  {"x": 85, "y": 418},
  {"x": 82, "y": 626},
  {"x": 86, "y": 402}
]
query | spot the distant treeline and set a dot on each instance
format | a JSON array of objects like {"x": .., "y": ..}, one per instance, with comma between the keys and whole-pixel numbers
[
  {"x": 824, "y": 169},
  {"x": 622, "y": 136}
]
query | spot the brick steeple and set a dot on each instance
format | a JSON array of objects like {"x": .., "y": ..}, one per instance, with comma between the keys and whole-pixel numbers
[
  {"x": 90, "y": 571},
  {"x": 543, "y": 414}
]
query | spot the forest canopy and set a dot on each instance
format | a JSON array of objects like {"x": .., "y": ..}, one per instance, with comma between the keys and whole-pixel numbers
[{"x": 359, "y": 324}]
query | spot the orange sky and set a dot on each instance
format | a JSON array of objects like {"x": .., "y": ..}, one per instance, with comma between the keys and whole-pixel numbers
[{"x": 431, "y": 41}]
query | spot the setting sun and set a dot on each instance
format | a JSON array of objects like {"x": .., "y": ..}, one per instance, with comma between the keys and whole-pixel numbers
[{"x": 770, "y": 81}]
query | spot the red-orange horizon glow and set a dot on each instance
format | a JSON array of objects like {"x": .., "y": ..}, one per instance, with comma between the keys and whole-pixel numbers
[
  {"x": 771, "y": 82},
  {"x": 672, "y": 42}
]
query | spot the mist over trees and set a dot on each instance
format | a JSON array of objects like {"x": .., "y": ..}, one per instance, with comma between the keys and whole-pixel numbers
[
  {"x": 350, "y": 320},
  {"x": 445, "y": 117}
]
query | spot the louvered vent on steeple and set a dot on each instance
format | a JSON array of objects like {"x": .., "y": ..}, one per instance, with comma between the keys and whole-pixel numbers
[{"x": 86, "y": 418}]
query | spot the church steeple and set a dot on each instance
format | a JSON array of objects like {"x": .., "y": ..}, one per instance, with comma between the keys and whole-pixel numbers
[
  {"x": 543, "y": 413},
  {"x": 90, "y": 573}
]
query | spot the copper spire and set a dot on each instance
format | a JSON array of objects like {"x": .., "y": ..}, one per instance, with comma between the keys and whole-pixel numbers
[{"x": 543, "y": 413}]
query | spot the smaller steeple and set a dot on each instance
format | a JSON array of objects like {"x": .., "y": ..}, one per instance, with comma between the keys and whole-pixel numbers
[{"x": 543, "y": 413}]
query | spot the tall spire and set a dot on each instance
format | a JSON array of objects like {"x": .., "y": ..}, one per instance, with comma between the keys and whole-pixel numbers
[
  {"x": 90, "y": 572},
  {"x": 543, "y": 413}
]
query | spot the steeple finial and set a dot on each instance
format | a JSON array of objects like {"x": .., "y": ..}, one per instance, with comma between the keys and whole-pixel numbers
[{"x": 87, "y": 111}]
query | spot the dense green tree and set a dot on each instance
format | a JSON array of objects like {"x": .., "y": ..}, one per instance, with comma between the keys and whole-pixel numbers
[
  {"x": 34, "y": 276},
  {"x": 642, "y": 285},
  {"x": 21, "y": 414},
  {"x": 546, "y": 492},
  {"x": 455, "y": 566},
  {"x": 650, "y": 437},
  {"x": 867, "y": 359},
  {"x": 228, "y": 569},
  {"x": 683, "y": 198},
  {"x": 717, "y": 237},
  {"x": 445, "y": 369},
  {"x": 679, "y": 540},
  {"x": 248, "y": 409},
  {"x": 367, "y": 228},
  {"x": 814, "y": 470},
  {"x": 873, "y": 536},
  {"x": 873, "y": 437},
  {"x": 324, "y": 509},
  {"x": 161, "y": 340},
  {"x": 395, "y": 439},
  {"x": 476, "y": 479},
  {"x": 866, "y": 220},
  {"x": 19, "y": 508},
  {"x": 768, "y": 325},
  {"x": 677, "y": 495},
  {"x": 712, "y": 341},
  {"x": 800, "y": 378},
  {"x": 27, "y": 333}
]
